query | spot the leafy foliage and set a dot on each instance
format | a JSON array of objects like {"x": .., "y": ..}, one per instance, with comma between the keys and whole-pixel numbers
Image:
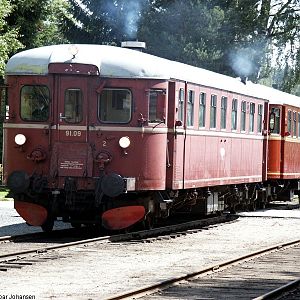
[
  {"x": 38, "y": 21},
  {"x": 8, "y": 36},
  {"x": 183, "y": 32},
  {"x": 106, "y": 22}
]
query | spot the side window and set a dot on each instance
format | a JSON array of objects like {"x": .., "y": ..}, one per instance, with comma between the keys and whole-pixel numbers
[
  {"x": 289, "y": 123},
  {"x": 223, "y": 112},
  {"x": 295, "y": 124},
  {"x": 115, "y": 106},
  {"x": 243, "y": 116},
  {"x": 34, "y": 104},
  {"x": 276, "y": 112},
  {"x": 202, "y": 109},
  {"x": 190, "y": 108},
  {"x": 298, "y": 125},
  {"x": 157, "y": 106},
  {"x": 251, "y": 117},
  {"x": 73, "y": 105},
  {"x": 213, "y": 111},
  {"x": 234, "y": 114},
  {"x": 260, "y": 111},
  {"x": 181, "y": 105}
]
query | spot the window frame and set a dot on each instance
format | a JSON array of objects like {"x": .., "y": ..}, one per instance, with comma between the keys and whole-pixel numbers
[
  {"x": 298, "y": 125},
  {"x": 234, "y": 113},
  {"x": 260, "y": 112},
  {"x": 21, "y": 106},
  {"x": 66, "y": 119},
  {"x": 223, "y": 119},
  {"x": 190, "y": 108},
  {"x": 277, "y": 113},
  {"x": 251, "y": 117},
  {"x": 99, "y": 106},
  {"x": 181, "y": 98},
  {"x": 243, "y": 115},
  {"x": 289, "y": 122},
  {"x": 202, "y": 104},
  {"x": 294, "y": 124},
  {"x": 158, "y": 93},
  {"x": 213, "y": 111}
]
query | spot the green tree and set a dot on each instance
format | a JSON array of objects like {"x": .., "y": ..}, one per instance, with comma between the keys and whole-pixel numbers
[
  {"x": 262, "y": 30},
  {"x": 9, "y": 42},
  {"x": 104, "y": 22},
  {"x": 39, "y": 22},
  {"x": 185, "y": 31}
]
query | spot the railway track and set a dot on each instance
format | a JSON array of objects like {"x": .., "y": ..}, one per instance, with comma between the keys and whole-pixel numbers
[
  {"x": 32, "y": 252},
  {"x": 264, "y": 274}
]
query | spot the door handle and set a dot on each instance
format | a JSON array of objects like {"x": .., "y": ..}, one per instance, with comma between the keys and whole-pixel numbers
[{"x": 62, "y": 117}]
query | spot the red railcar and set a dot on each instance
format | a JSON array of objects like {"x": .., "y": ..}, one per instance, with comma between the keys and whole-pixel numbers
[
  {"x": 101, "y": 134},
  {"x": 284, "y": 142}
]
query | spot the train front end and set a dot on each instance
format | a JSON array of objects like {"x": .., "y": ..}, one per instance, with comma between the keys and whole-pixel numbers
[{"x": 85, "y": 138}]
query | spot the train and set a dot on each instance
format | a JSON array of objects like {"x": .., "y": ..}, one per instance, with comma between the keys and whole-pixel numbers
[{"x": 110, "y": 136}]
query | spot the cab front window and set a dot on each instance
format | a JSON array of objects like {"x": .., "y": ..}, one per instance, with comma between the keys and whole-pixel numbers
[
  {"x": 115, "y": 106},
  {"x": 34, "y": 105},
  {"x": 73, "y": 106}
]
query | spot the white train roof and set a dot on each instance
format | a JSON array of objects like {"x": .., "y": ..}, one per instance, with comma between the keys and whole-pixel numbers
[{"x": 125, "y": 63}]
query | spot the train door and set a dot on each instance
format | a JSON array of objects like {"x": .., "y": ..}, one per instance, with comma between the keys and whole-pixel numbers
[
  {"x": 72, "y": 109},
  {"x": 72, "y": 155},
  {"x": 275, "y": 141},
  {"x": 176, "y": 136}
]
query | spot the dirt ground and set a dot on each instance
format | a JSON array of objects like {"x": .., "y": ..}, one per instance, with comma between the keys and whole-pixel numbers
[{"x": 101, "y": 270}]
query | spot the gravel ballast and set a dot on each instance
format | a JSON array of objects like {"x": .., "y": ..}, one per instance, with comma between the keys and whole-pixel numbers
[{"x": 100, "y": 270}]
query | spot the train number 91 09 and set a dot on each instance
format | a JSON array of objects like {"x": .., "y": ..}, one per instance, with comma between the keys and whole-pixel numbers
[{"x": 73, "y": 133}]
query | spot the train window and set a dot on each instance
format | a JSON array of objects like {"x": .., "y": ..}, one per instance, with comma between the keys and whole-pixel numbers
[
  {"x": 35, "y": 101},
  {"x": 73, "y": 106},
  {"x": 234, "y": 114},
  {"x": 294, "y": 124},
  {"x": 251, "y": 117},
  {"x": 259, "y": 118},
  {"x": 289, "y": 122},
  {"x": 243, "y": 116},
  {"x": 202, "y": 106},
  {"x": 181, "y": 105},
  {"x": 115, "y": 106},
  {"x": 213, "y": 111},
  {"x": 223, "y": 112},
  {"x": 190, "y": 108},
  {"x": 275, "y": 120},
  {"x": 298, "y": 125},
  {"x": 157, "y": 106}
]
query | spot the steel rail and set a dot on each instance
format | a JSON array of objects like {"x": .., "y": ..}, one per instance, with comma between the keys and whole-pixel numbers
[
  {"x": 126, "y": 236},
  {"x": 151, "y": 289},
  {"x": 279, "y": 291}
]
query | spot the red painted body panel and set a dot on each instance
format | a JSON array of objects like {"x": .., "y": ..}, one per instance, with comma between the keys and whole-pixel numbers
[
  {"x": 76, "y": 155},
  {"x": 209, "y": 157},
  {"x": 274, "y": 158},
  {"x": 33, "y": 214},
  {"x": 122, "y": 217},
  {"x": 283, "y": 162}
]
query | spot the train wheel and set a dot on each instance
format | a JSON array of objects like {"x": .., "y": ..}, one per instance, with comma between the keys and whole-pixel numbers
[
  {"x": 48, "y": 225},
  {"x": 253, "y": 206},
  {"x": 148, "y": 223}
]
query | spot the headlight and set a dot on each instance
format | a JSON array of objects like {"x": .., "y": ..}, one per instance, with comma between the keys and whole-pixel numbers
[
  {"x": 20, "y": 139},
  {"x": 124, "y": 142}
]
